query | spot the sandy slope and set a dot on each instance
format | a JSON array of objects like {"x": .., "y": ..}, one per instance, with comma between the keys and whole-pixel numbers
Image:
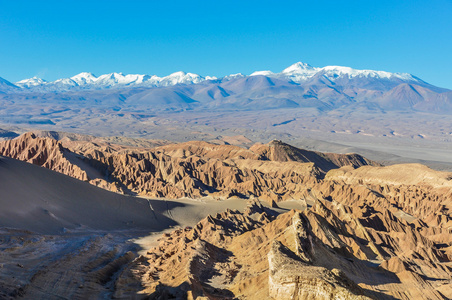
[{"x": 45, "y": 201}]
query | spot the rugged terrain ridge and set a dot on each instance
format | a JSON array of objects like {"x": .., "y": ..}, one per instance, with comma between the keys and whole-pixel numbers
[
  {"x": 365, "y": 231},
  {"x": 329, "y": 251},
  {"x": 192, "y": 169}
]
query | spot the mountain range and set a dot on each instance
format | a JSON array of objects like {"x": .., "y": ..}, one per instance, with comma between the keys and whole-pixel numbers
[
  {"x": 299, "y": 85},
  {"x": 297, "y": 73}
]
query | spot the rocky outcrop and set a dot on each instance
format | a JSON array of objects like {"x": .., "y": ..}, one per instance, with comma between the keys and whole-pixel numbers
[
  {"x": 291, "y": 278},
  {"x": 279, "y": 151},
  {"x": 324, "y": 252},
  {"x": 406, "y": 174},
  {"x": 413, "y": 192},
  {"x": 44, "y": 152}
]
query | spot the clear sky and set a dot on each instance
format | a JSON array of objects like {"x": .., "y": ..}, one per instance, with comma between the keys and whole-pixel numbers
[{"x": 55, "y": 39}]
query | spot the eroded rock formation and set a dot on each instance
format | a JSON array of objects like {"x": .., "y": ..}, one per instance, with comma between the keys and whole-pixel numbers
[
  {"x": 368, "y": 231},
  {"x": 330, "y": 251},
  {"x": 274, "y": 172},
  {"x": 45, "y": 152}
]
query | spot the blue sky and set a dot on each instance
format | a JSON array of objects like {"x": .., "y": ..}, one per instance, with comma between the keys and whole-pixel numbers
[{"x": 55, "y": 39}]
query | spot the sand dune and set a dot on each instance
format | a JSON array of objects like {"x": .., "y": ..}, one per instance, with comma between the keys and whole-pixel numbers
[{"x": 45, "y": 201}]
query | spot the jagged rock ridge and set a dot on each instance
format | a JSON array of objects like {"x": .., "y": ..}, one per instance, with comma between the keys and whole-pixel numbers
[
  {"x": 275, "y": 172},
  {"x": 330, "y": 251}
]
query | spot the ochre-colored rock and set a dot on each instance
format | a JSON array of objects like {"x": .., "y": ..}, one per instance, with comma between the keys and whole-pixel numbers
[
  {"x": 275, "y": 172},
  {"x": 322, "y": 253},
  {"x": 368, "y": 231}
]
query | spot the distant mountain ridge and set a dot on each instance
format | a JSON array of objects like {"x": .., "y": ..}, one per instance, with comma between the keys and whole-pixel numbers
[
  {"x": 298, "y": 72},
  {"x": 86, "y": 81},
  {"x": 298, "y": 86}
]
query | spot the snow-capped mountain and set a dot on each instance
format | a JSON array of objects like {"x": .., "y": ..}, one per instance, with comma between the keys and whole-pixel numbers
[
  {"x": 182, "y": 78},
  {"x": 233, "y": 76},
  {"x": 301, "y": 72},
  {"x": 263, "y": 73},
  {"x": 87, "y": 80},
  {"x": 299, "y": 85},
  {"x": 84, "y": 78},
  {"x": 297, "y": 73},
  {"x": 31, "y": 82}
]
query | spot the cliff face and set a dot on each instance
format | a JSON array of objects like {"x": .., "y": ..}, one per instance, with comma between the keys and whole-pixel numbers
[
  {"x": 412, "y": 192},
  {"x": 291, "y": 278}
]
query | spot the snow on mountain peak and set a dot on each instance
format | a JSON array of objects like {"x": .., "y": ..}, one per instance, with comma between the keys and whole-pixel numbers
[
  {"x": 299, "y": 72},
  {"x": 232, "y": 76},
  {"x": 262, "y": 73},
  {"x": 333, "y": 72},
  {"x": 31, "y": 82},
  {"x": 84, "y": 78},
  {"x": 181, "y": 78},
  {"x": 113, "y": 75},
  {"x": 87, "y": 75},
  {"x": 176, "y": 74},
  {"x": 110, "y": 79},
  {"x": 84, "y": 75},
  {"x": 299, "y": 67}
]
